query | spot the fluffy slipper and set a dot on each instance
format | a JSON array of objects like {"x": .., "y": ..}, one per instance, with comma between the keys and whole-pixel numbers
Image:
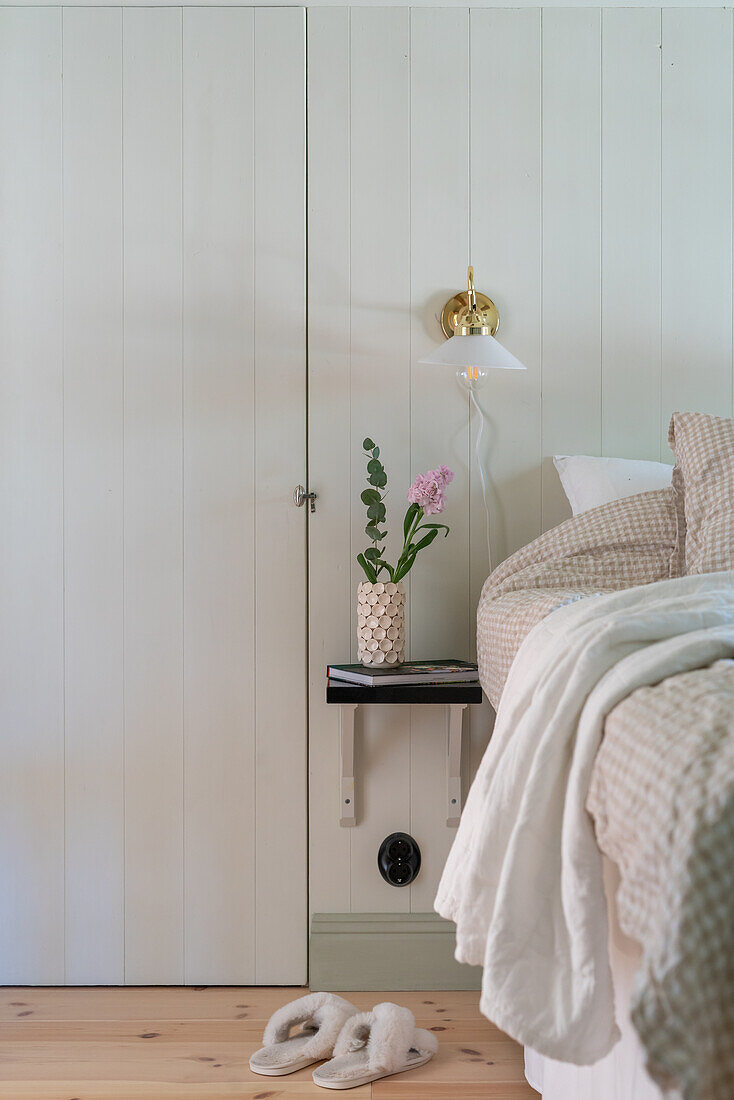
[
  {"x": 376, "y": 1044},
  {"x": 319, "y": 1017}
]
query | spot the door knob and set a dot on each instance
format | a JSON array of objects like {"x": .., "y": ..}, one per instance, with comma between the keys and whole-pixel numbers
[{"x": 300, "y": 496}]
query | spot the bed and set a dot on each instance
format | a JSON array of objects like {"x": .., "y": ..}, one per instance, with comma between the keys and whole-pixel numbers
[
  {"x": 593, "y": 872},
  {"x": 621, "y": 1074}
]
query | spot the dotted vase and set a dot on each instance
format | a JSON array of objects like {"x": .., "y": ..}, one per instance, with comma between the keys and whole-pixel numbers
[{"x": 381, "y": 623}]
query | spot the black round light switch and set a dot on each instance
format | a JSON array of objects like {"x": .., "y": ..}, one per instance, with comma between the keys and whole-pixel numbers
[{"x": 399, "y": 859}]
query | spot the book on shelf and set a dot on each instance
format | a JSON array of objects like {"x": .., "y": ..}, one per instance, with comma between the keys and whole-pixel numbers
[{"x": 412, "y": 672}]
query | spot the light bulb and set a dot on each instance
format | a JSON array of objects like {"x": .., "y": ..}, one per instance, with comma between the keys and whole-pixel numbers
[{"x": 472, "y": 378}]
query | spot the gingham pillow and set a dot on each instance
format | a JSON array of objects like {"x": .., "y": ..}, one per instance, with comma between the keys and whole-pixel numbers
[{"x": 703, "y": 482}]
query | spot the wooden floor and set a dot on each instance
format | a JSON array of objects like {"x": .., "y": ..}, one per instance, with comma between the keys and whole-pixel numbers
[{"x": 162, "y": 1044}]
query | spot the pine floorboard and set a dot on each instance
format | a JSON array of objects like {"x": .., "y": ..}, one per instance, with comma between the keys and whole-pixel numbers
[{"x": 195, "y": 1043}]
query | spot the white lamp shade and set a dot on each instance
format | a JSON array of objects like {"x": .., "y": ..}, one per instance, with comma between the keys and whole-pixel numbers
[{"x": 473, "y": 351}]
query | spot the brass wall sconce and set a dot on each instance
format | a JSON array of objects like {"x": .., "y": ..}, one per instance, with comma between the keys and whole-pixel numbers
[
  {"x": 470, "y": 304},
  {"x": 469, "y": 321}
]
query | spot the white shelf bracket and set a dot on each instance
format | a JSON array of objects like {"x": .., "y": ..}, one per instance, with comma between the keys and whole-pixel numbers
[
  {"x": 346, "y": 751},
  {"x": 454, "y": 723}
]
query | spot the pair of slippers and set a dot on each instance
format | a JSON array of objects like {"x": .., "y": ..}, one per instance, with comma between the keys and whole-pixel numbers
[{"x": 360, "y": 1046}]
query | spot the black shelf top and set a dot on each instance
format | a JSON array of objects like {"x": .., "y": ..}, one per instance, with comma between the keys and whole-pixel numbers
[{"x": 338, "y": 691}]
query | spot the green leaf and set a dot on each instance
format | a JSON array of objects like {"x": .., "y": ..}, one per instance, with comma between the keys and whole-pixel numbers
[
  {"x": 372, "y": 553},
  {"x": 434, "y": 527},
  {"x": 367, "y": 444},
  {"x": 374, "y": 466},
  {"x": 373, "y": 512},
  {"x": 412, "y": 553},
  {"x": 368, "y": 570},
  {"x": 425, "y": 541},
  {"x": 381, "y": 535},
  {"x": 370, "y": 496},
  {"x": 409, "y": 518},
  {"x": 371, "y": 532},
  {"x": 380, "y": 480},
  {"x": 375, "y": 452},
  {"x": 403, "y": 569},
  {"x": 407, "y": 562}
]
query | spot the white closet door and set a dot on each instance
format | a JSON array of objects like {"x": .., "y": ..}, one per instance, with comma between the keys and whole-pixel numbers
[
  {"x": 152, "y": 428},
  {"x": 31, "y": 500}
]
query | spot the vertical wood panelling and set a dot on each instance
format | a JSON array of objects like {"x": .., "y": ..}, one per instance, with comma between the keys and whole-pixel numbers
[
  {"x": 697, "y": 212},
  {"x": 152, "y": 419},
  {"x": 506, "y": 252},
  {"x": 153, "y": 564},
  {"x": 571, "y": 351},
  {"x": 153, "y": 497},
  {"x": 506, "y": 236},
  {"x": 93, "y": 488},
  {"x": 330, "y": 454},
  {"x": 280, "y": 460},
  {"x": 439, "y": 235},
  {"x": 439, "y": 253},
  {"x": 631, "y": 233},
  {"x": 380, "y": 383},
  {"x": 562, "y": 195},
  {"x": 219, "y": 490},
  {"x": 31, "y": 601}
]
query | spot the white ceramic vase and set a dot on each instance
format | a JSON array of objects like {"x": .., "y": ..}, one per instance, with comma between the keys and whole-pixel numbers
[{"x": 381, "y": 622}]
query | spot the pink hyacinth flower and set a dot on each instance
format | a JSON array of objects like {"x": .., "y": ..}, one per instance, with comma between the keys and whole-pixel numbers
[{"x": 427, "y": 492}]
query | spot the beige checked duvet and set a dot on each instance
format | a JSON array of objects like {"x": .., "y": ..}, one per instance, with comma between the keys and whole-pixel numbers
[
  {"x": 622, "y": 544},
  {"x": 659, "y": 786}
]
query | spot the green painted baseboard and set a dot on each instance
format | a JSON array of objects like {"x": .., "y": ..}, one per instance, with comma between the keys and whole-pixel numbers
[{"x": 382, "y": 951}]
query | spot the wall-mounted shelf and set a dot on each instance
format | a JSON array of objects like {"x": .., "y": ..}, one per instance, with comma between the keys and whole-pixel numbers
[{"x": 454, "y": 697}]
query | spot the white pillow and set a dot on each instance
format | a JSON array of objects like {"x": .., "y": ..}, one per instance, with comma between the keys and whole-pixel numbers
[{"x": 589, "y": 482}]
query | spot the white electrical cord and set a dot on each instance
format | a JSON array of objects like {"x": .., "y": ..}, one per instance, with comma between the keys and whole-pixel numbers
[{"x": 482, "y": 477}]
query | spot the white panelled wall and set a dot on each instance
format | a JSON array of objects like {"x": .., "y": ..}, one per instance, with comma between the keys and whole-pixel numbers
[
  {"x": 152, "y": 426},
  {"x": 581, "y": 159},
  {"x": 153, "y": 380}
]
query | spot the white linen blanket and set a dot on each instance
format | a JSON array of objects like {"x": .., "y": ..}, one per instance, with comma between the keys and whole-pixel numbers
[{"x": 523, "y": 880}]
